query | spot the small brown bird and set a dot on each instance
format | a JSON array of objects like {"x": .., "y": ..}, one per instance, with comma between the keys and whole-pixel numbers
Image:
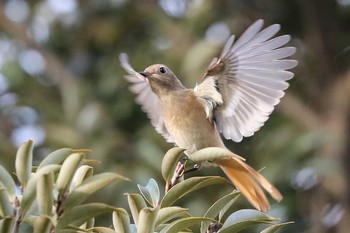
[{"x": 235, "y": 97}]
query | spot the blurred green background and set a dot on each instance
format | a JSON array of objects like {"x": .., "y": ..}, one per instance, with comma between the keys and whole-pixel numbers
[{"x": 61, "y": 85}]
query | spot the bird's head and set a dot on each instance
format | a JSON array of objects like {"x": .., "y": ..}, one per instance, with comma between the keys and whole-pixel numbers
[{"x": 161, "y": 79}]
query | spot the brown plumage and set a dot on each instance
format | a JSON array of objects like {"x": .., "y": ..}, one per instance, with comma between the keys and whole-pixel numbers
[{"x": 235, "y": 98}]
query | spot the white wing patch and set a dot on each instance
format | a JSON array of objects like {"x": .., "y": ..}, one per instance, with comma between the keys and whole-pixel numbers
[{"x": 208, "y": 93}]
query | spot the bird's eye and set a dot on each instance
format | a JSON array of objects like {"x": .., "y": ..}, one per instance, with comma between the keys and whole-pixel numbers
[{"x": 162, "y": 70}]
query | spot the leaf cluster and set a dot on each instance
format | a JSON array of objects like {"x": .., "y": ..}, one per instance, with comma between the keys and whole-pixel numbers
[{"x": 52, "y": 195}]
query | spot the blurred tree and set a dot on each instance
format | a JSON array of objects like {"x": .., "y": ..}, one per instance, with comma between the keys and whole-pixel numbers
[{"x": 61, "y": 85}]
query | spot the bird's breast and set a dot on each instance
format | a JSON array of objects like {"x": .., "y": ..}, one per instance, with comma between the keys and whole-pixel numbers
[{"x": 186, "y": 121}]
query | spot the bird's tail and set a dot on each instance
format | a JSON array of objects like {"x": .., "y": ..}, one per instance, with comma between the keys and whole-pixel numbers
[{"x": 250, "y": 182}]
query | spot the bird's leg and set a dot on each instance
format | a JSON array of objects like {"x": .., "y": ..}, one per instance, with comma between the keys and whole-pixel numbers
[{"x": 178, "y": 173}]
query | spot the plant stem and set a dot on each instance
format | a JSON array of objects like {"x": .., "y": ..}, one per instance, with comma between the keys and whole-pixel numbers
[{"x": 19, "y": 217}]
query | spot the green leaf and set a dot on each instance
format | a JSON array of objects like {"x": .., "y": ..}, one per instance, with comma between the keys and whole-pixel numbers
[
  {"x": 147, "y": 220},
  {"x": 121, "y": 221},
  {"x": 44, "y": 193},
  {"x": 183, "y": 223},
  {"x": 30, "y": 219},
  {"x": 89, "y": 186},
  {"x": 218, "y": 207},
  {"x": 56, "y": 157},
  {"x": 72, "y": 229},
  {"x": 212, "y": 154},
  {"x": 23, "y": 162},
  {"x": 168, "y": 213},
  {"x": 69, "y": 166},
  {"x": 245, "y": 218},
  {"x": 78, "y": 215},
  {"x": 103, "y": 230},
  {"x": 6, "y": 209},
  {"x": 90, "y": 223},
  {"x": 150, "y": 192},
  {"x": 169, "y": 162},
  {"x": 136, "y": 204},
  {"x": 81, "y": 174},
  {"x": 190, "y": 185},
  {"x": 275, "y": 227},
  {"x": 5, "y": 224},
  {"x": 42, "y": 224},
  {"x": 7, "y": 180},
  {"x": 228, "y": 205},
  {"x": 30, "y": 192}
]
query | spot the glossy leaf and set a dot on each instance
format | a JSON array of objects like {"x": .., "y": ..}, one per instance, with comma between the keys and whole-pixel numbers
[
  {"x": 228, "y": 205},
  {"x": 274, "y": 228},
  {"x": 90, "y": 223},
  {"x": 30, "y": 219},
  {"x": 121, "y": 221},
  {"x": 55, "y": 157},
  {"x": 30, "y": 192},
  {"x": 168, "y": 213},
  {"x": 23, "y": 163},
  {"x": 89, "y": 186},
  {"x": 73, "y": 229},
  {"x": 169, "y": 162},
  {"x": 5, "y": 224},
  {"x": 147, "y": 220},
  {"x": 103, "y": 230},
  {"x": 136, "y": 204},
  {"x": 245, "y": 218},
  {"x": 183, "y": 223},
  {"x": 217, "y": 208},
  {"x": 65, "y": 176},
  {"x": 42, "y": 224},
  {"x": 81, "y": 174},
  {"x": 150, "y": 192},
  {"x": 160, "y": 227},
  {"x": 77, "y": 215},
  {"x": 212, "y": 154},
  {"x": 190, "y": 185},
  {"x": 8, "y": 182},
  {"x": 6, "y": 209},
  {"x": 44, "y": 195}
]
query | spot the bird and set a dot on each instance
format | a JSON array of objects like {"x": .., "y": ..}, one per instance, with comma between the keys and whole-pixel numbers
[{"x": 235, "y": 97}]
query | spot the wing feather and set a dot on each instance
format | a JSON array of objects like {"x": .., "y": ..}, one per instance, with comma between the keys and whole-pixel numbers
[
  {"x": 149, "y": 101},
  {"x": 250, "y": 75},
  {"x": 248, "y": 34},
  {"x": 260, "y": 38}
]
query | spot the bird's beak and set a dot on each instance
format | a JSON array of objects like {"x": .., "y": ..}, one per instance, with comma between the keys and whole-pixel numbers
[{"x": 144, "y": 74}]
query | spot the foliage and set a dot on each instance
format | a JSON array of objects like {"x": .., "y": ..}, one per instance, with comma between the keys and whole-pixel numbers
[
  {"x": 61, "y": 85},
  {"x": 52, "y": 194},
  {"x": 52, "y": 199}
]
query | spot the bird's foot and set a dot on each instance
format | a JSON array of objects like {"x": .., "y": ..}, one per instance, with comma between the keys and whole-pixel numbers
[{"x": 178, "y": 173}]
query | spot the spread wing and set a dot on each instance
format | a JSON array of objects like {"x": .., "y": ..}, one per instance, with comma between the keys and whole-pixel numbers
[
  {"x": 242, "y": 87},
  {"x": 149, "y": 101}
]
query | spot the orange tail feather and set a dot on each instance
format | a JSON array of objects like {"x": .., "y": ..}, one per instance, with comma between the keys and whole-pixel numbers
[{"x": 249, "y": 182}]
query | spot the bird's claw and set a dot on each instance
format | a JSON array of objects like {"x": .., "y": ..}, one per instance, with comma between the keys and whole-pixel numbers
[{"x": 179, "y": 172}]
